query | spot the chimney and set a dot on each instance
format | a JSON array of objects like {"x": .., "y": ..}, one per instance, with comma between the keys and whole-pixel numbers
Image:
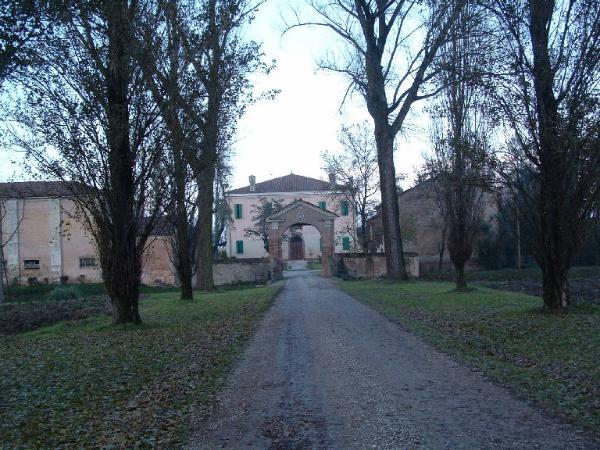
[
  {"x": 252, "y": 180},
  {"x": 332, "y": 178}
]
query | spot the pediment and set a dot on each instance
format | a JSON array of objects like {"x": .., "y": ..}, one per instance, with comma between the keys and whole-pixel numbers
[{"x": 293, "y": 211}]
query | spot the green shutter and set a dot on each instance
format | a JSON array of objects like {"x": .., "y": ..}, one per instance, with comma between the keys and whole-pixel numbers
[
  {"x": 239, "y": 247},
  {"x": 238, "y": 211},
  {"x": 322, "y": 205},
  {"x": 345, "y": 208},
  {"x": 268, "y": 208},
  {"x": 346, "y": 243}
]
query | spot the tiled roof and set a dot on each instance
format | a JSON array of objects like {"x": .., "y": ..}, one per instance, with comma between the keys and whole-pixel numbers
[
  {"x": 24, "y": 189},
  {"x": 287, "y": 183}
]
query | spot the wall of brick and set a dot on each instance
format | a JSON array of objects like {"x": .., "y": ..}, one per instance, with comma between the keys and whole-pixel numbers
[
  {"x": 242, "y": 271},
  {"x": 357, "y": 265}
]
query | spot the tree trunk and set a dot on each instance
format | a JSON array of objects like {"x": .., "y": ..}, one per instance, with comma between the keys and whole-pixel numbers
[
  {"x": 442, "y": 249},
  {"x": 394, "y": 258},
  {"x": 555, "y": 288},
  {"x": 204, "y": 261},
  {"x": 461, "y": 281},
  {"x": 554, "y": 230},
  {"x": 122, "y": 266}
]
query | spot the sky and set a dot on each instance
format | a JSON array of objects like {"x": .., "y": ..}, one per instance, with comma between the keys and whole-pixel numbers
[{"x": 289, "y": 133}]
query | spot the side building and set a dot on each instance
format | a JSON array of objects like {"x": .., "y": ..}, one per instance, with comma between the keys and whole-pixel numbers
[
  {"x": 44, "y": 241},
  {"x": 302, "y": 242},
  {"x": 423, "y": 229}
]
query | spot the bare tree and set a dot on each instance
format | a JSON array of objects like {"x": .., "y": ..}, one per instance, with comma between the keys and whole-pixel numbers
[
  {"x": 355, "y": 174},
  {"x": 460, "y": 165},
  {"x": 87, "y": 119},
  {"x": 388, "y": 53},
  {"x": 260, "y": 212},
  {"x": 222, "y": 210},
  {"x": 549, "y": 94}
]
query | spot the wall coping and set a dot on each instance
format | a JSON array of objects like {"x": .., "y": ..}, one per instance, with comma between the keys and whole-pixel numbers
[{"x": 370, "y": 255}]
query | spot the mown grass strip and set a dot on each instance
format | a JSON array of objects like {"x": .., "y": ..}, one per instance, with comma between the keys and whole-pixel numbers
[
  {"x": 82, "y": 384},
  {"x": 552, "y": 359}
]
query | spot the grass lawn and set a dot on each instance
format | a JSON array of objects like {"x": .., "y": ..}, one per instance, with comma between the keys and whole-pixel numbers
[
  {"x": 86, "y": 383},
  {"x": 531, "y": 273},
  {"x": 554, "y": 360},
  {"x": 314, "y": 265}
]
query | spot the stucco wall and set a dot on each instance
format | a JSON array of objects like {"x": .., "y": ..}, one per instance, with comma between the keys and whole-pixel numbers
[
  {"x": 254, "y": 248},
  {"x": 157, "y": 265},
  {"x": 242, "y": 271},
  {"x": 372, "y": 265}
]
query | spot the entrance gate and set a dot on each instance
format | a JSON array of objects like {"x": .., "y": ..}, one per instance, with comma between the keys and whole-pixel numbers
[{"x": 301, "y": 212}]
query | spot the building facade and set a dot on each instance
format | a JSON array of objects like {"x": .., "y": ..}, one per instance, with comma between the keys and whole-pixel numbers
[
  {"x": 299, "y": 242},
  {"x": 422, "y": 227},
  {"x": 43, "y": 241}
]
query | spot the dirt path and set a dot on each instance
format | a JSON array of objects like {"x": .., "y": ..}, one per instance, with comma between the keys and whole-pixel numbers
[{"x": 325, "y": 371}]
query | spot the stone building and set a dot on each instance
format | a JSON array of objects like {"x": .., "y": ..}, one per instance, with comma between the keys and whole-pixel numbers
[
  {"x": 43, "y": 241},
  {"x": 422, "y": 226},
  {"x": 303, "y": 243}
]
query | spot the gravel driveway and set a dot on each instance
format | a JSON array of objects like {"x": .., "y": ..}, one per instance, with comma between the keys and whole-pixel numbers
[{"x": 325, "y": 371}]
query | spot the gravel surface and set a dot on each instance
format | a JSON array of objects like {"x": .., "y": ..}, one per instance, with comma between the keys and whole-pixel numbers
[{"x": 325, "y": 371}]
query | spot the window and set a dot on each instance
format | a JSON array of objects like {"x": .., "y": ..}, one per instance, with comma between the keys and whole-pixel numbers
[
  {"x": 346, "y": 243},
  {"x": 239, "y": 247},
  {"x": 322, "y": 205},
  {"x": 31, "y": 263},
  {"x": 345, "y": 207},
  {"x": 238, "y": 211},
  {"x": 87, "y": 262},
  {"x": 268, "y": 208}
]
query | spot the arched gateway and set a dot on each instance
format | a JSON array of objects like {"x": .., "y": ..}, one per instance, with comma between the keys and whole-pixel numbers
[{"x": 301, "y": 213}]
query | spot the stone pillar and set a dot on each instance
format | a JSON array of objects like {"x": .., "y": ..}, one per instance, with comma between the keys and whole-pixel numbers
[
  {"x": 55, "y": 239},
  {"x": 275, "y": 250},
  {"x": 328, "y": 247},
  {"x": 10, "y": 230}
]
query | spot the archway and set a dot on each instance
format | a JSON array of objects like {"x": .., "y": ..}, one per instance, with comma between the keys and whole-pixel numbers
[{"x": 301, "y": 212}]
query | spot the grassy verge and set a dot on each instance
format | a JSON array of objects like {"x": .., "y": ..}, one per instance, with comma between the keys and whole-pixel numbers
[
  {"x": 531, "y": 273},
  {"x": 82, "y": 384},
  {"x": 554, "y": 360},
  {"x": 314, "y": 265}
]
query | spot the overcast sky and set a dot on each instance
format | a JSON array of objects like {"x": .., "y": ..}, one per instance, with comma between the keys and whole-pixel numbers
[{"x": 289, "y": 133}]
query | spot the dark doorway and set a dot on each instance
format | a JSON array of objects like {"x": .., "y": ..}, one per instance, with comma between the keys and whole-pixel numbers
[{"x": 296, "y": 248}]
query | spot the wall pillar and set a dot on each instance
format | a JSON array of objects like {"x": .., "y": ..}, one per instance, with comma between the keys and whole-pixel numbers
[
  {"x": 328, "y": 247},
  {"x": 55, "y": 238},
  {"x": 11, "y": 233},
  {"x": 275, "y": 250}
]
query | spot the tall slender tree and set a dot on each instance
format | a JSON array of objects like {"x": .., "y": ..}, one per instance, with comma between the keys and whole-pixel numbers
[
  {"x": 388, "y": 52},
  {"x": 87, "y": 119},
  {"x": 549, "y": 95}
]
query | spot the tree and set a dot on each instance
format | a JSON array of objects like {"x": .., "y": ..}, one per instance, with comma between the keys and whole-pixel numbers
[
  {"x": 375, "y": 36},
  {"x": 87, "y": 119},
  {"x": 355, "y": 174},
  {"x": 460, "y": 164},
  {"x": 260, "y": 212},
  {"x": 222, "y": 210},
  {"x": 548, "y": 93},
  {"x": 198, "y": 72},
  {"x": 223, "y": 61}
]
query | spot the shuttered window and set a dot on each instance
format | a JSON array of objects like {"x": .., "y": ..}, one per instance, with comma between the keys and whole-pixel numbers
[
  {"x": 346, "y": 243},
  {"x": 268, "y": 208},
  {"x": 239, "y": 247},
  {"x": 238, "y": 211},
  {"x": 345, "y": 207},
  {"x": 322, "y": 205}
]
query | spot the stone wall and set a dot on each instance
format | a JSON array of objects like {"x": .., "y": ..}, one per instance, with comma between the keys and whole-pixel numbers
[
  {"x": 249, "y": 270},
  {"x": 372, "y": 265}
]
